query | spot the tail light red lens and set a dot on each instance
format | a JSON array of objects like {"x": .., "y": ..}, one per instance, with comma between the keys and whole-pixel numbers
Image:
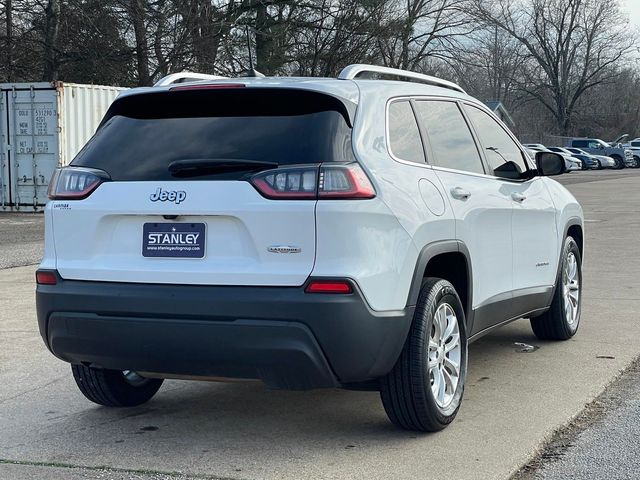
[
  {"x": 329, "y": 286},
  {"x": 46, "y": 277},
  {"x": 75, "y": 183},
  {"x": 344, "y": 181},
  {"x": 314, "y": 182}
]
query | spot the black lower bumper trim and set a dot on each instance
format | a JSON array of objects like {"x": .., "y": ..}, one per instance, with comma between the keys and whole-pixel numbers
[{"x": 280, "y": 335}]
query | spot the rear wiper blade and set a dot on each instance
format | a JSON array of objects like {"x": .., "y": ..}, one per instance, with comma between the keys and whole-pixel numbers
[{"x": 193, "y": 167}]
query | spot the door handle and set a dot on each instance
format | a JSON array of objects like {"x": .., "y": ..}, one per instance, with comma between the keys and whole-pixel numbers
[
  {"x": 518, "y": 197},
  {"x": 460, "y": 193}
]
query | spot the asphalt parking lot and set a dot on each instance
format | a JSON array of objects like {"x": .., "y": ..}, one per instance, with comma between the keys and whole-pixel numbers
[{"x": 513, "y": 403}]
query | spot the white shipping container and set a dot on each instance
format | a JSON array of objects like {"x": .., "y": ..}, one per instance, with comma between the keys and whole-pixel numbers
[{"x": 42, "y": 126}]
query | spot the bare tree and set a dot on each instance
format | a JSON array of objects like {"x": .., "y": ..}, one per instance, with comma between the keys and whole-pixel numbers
[
  {"x": 9, "y": 39},
  {"x": 572, "y": 46},
  {"x": 51, "y": 30},
  {"x": 420, "y": 29}
]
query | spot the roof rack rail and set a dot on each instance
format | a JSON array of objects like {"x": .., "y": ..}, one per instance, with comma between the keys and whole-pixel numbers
[
  {"x": 182, "y": 77},
  {"x": 352, "y": 71}
]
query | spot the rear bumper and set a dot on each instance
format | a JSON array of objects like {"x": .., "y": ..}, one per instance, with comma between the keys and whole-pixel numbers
[{"x": 280, "y": 335}]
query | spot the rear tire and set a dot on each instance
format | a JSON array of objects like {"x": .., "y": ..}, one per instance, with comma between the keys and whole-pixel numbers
[
  {"x": 636, "y": 161},
  {"x": 424, "y": 390},
  {"x": 562, "y": 320},
  {"x": 114, "y": 388}
]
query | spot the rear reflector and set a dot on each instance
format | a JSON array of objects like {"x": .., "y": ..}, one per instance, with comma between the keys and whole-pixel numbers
[
  {"x": 46, "y": 277},
  {"x": 329, "y": 286}
]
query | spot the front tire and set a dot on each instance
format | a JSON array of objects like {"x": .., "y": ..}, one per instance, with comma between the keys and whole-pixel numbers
[
  {"x": 562, "y": 319},
  {"x": 619, "y": 162},
  {"x": 114, "y": 388},
  {"x": 424, "y": 390}
]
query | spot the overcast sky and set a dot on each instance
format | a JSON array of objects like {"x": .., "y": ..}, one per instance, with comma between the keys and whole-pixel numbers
[{"x": 633, "y": 7}]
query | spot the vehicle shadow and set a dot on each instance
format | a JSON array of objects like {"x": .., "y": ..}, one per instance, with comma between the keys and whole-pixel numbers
[{"x": 203, "y": 427}]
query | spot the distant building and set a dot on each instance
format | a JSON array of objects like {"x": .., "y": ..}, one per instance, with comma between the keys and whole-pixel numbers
[{"x": 503, "y": 114}]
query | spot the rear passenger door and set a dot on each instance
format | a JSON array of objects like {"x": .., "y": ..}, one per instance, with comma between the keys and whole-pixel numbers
[
  {"x": 535, "y": 249},
  {"x": 482, "y": 208}
]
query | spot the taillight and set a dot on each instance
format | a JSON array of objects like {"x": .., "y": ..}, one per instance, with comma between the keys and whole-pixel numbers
[
  {"x": 300, "y": 183},
  {"x": 46, "y": 277},
  {"x": 75, "y": 183},
  {"x": 329, "y": 286},
  {"x": 344, "y": 181},
  {"x": 313, "y": 182}
]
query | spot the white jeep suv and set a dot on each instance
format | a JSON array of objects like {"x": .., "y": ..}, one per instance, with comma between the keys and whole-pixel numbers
[{"x": 350, "y": 232}]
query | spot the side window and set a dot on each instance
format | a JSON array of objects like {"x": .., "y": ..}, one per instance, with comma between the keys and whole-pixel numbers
[
  {"x": 404, "y": 136},
  {"x": 594, "y": 144},
  {"x": 449, "y": 136},
  {"x": 502, "y": 153},
  {"x": 580, "y": 144}
]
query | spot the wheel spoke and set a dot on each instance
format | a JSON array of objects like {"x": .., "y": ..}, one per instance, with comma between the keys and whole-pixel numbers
[
  {"x": 448, "y": 382},
  {"x": 452, "y": 367},
  {"x": 442, "y": 323},
  {"x": 451, "y": 325},
  {"x": 441, "y": 387},
  {"x": 573, "y": 297},
  {"x": 454, "y": 341},
  {"x": 433, "y": 360}
]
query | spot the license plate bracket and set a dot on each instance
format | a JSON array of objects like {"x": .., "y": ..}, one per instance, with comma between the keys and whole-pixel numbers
[{"x": 173, "y": 240}]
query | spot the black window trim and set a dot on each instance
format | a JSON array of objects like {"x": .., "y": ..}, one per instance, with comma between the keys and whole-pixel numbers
[
  {"x": 427, "y": 143},
  {"x": 427, "y": 149},
  {"x": 531, "y": 172},
  {"x": 387, "y": 132}
]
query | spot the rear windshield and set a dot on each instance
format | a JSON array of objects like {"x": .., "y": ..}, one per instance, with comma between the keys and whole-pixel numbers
[{"x": 142, "y": 134}]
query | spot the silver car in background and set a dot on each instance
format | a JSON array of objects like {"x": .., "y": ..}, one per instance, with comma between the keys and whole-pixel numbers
[
  {"x": 603, "y": 160},
  {"x": 571, "y": 163}
]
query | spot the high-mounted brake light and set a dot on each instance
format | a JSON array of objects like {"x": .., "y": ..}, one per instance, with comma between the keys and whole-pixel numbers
[
  {"x": 75, "y": 183},
  {"x": 209, "y": 87},
  {"x": 329, "y": 286},
  {"x": 46, "y": 277},
  {"x": 327, "y": 181}
]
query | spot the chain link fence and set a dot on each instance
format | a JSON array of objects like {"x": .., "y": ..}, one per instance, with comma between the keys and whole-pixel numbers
[{"x": 547, "y": 139}]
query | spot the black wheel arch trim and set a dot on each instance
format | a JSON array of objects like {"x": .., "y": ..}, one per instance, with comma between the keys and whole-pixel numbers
[{"x": 429, "y": 252}]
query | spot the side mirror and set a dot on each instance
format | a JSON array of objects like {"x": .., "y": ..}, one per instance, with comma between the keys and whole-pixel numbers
[{"x": 550, "y": 164}]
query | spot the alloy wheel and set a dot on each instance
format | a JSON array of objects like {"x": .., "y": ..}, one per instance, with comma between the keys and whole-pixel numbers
[
  {"x": 445, "y": 353},
  {"x": 571, "y": 289}
]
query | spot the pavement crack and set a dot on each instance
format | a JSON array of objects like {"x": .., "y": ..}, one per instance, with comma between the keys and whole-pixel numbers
[
  {"x": 8, "y": 399},
  {"x": 175, "y": 475}
]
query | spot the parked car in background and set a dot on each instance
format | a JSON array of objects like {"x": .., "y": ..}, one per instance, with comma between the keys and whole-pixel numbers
[
  {"x": 634, "y": 146},
  {"x": 603, "y": 160},
  {"x": 622, "y": 156},
  {"x": 587, "y": 162},
  {"x": 571, "y": 163}
]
